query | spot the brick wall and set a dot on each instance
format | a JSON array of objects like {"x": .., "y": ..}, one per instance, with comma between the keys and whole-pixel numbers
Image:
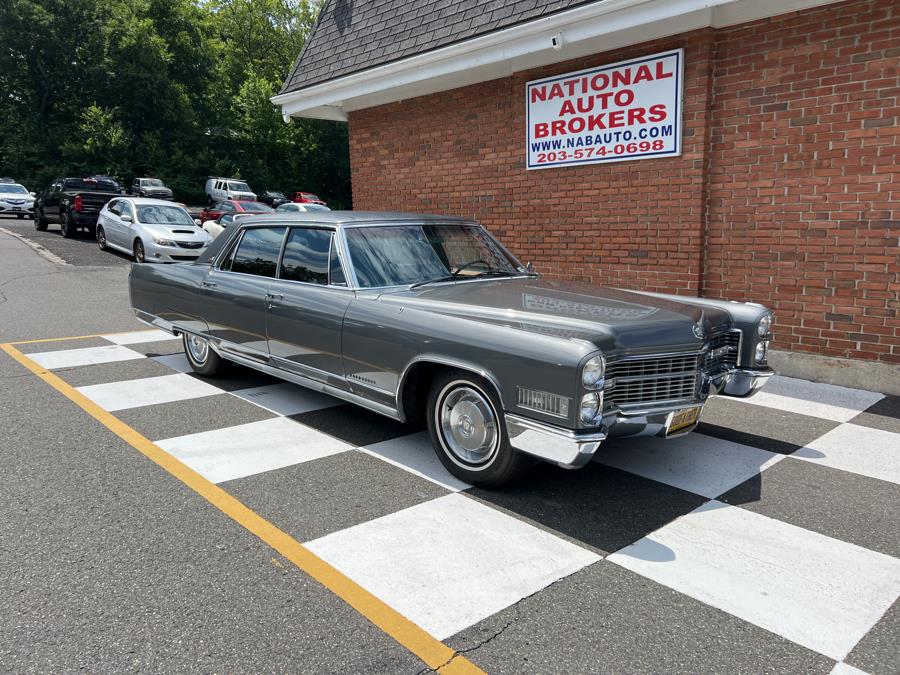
[
  {"x": 803, "y": 176},
  {"x": 783, "y": 193}
]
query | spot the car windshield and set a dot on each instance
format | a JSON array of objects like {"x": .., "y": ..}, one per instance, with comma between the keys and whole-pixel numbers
[
  {"x": 309, "y": 195},
  {"x": 13, "y": 189},
  {"x": 256, "y": 207},
  {"x": 316, "y": 207},
  {"x": 288, "y": 207},
  {"x": 91, "y": 184},
  {"x": 164, "y": 215},
  {"x": 413, "y": 254},
  {"x": 277, "y": 195},
  {"x": 153, "y": 182},
  {"x": 239, "y": 187}
]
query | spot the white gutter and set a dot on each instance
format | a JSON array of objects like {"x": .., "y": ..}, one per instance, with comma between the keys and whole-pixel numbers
[{"x": 590, "y": 29}]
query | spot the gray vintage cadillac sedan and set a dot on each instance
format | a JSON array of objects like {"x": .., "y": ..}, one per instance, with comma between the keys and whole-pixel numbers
[{"x": 418, "y": 316}]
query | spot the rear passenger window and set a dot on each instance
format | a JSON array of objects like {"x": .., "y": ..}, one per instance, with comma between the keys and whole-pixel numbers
[
  {"x": 258, "y": 252},
  {"x": 335, "y": 270},
  {"x": 306, "y": 256}
]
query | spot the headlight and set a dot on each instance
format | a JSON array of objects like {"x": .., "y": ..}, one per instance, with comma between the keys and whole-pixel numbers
[
  {"x": 765, "y": 326},
  {"x": 760, "y": 353},
  {"x": 592, "y": 374},
  {"x": 590, "y": 406},
  {"x": 163, "y": 242}
]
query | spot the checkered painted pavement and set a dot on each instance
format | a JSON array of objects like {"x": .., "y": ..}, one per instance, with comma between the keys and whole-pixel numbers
[{"x": 767, "y": 540}]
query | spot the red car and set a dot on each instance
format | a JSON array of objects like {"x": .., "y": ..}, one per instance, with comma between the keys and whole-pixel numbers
[
  {"x": 217, "y": 209},
  {"x": 307, "y": 198}
]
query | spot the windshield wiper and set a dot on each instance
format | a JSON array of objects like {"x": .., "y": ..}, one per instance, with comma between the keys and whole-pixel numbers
[{"x": 458, "y": 276}]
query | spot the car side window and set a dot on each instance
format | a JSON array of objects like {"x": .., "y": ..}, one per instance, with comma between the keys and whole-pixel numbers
[
  {"x": 126, "y": 210},
  {"x": 335, "y": 270},
  {"x": 114, "y": 206},
  {"x": 258, "y": 252},
  {"x": 306, "y": 256},
  {"x": 226, "y": 207}
]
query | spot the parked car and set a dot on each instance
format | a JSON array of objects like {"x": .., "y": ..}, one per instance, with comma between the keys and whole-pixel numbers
[
  {"x": 74, "y": 203},
  {"x": 150, "y": 187},
  {"x": 292, "y": 207},
  {"x": 151, "y": 230},
  {"x": 307, "y": 198},
  {"x": 273, "y": 198},
  {"x": 16, "y": 200},
  {"x": 220, "y": 189},
  {"x": 217, "y": 209},
  {"x": 215, "y": 227},
  {"x": 431, "y": 317}
]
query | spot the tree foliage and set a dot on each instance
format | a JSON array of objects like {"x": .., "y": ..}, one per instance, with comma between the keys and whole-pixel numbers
[{"x": 177, "y": 89}]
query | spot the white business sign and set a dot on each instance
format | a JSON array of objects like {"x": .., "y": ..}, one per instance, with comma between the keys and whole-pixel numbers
[{"x": 622, "y": 111}]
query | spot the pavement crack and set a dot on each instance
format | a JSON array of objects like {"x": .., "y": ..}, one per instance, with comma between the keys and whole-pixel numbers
[{"x": 516, "y": 607}]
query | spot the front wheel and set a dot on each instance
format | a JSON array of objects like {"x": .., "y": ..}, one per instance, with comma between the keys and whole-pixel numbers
[
  {"x": 40, "y": 223},
  {"x": 101, "y": 237},
  {"x": 468, "y": 431},
  {"x": 138, "y": 251},
  {"x": 201, "y": 357}
]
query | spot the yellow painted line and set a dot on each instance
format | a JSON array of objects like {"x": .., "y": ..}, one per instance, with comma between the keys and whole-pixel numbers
[
  {"x": 74, "y": 337},
  {"x": 434, "y": 653}
]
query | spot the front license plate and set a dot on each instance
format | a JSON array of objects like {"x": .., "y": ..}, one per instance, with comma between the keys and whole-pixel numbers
[
  {"x": 683, "y": 419},
  {"x": 16, "y": 208}
]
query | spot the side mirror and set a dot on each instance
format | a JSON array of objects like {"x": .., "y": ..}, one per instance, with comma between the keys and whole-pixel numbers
[
  {"x": 32, "y": 194},
  {"x": 125, "y": 218},
  {"x": 198, "y": 222},
  {"x": 529, "y": 267}
]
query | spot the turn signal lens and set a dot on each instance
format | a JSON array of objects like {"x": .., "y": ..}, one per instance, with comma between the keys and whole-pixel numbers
[
  {"x": 761, "y": 350},
  {"x": 590, "y": 406},
  {"x": 765, "y": 326},
  {"x": 592, "y": 374}
]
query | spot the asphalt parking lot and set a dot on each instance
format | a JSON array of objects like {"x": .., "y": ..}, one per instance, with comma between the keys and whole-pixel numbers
[{"x": 768, "y": 540}]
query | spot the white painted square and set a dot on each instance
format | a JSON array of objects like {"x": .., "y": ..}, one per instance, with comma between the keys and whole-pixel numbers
[
  {"x": 846, "y": 669},
  {"x": 249, "y": 449},
  {"x": 700, "y": 464},
  {"x": 450, "y": 562},
  {"x": 826, "y": 401},
  {"x": 85, "y": 356},
  {"x": 177, "y": 362},
  {"x": 287, "y": 399},
  {"x": 819, "y": 592},
  {"x": 869, "y": 452},
  {"x": 147, "y": 391},
  {"x": 139, "y": 336},
  {"x": 414, "y": 453}
]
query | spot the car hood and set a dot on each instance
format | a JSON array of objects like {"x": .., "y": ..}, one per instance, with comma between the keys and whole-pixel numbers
[
  {"x": 613, "y": 319},
  {"x": 178, "y": 232},
  {"x": 15, "y": 196}
]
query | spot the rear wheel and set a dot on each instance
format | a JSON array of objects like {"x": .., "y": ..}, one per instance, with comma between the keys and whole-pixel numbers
[
  {"x": 66, "y": 226},
  {"x": 138, "y": 251},
  {"x": 40, "y": 223},
  {"x": 101, "y": 237},
  {"x": 468, "y": 431},
  {"x": 203, "y": 360}
]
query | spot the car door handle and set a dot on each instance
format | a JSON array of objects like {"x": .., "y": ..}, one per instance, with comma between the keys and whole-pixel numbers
[
  {"x": 274, "y": 296},
  {"x": 208, "y": 284}
]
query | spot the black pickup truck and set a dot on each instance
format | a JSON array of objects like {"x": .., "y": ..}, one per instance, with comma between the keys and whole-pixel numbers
[{"x": 74, "y": 203}]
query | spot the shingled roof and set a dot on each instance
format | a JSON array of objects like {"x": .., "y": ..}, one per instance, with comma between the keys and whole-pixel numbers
[{"x": 355, "y": 35}]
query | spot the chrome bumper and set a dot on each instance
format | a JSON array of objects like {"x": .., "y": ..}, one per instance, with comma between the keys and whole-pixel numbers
[
  {"x": 742, "y": 383},
  {"x": 561, "y": 446}
]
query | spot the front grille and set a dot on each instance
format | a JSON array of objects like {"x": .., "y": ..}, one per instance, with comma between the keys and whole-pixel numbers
[
  {"x": 652, "y": 379},
  {"x": 722, "y": 352},
  {"x": 191, "y": 244}
]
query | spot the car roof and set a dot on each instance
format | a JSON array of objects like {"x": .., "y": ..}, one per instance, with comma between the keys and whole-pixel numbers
[
  {"x": 338, "y": 218},
  {"x": 147, "y": 201}
]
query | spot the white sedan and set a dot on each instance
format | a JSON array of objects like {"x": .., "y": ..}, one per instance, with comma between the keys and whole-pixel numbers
[
  {"x": 151, "y": 230},
  {"x": 295, "y": 207},
  {"x": 16, "y": 200}
]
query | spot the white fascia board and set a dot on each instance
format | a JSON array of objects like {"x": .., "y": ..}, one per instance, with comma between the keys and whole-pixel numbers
[{"x": 589, "y": 29}]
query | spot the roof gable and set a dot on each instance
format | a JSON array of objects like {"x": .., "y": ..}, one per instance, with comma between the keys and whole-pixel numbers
[{"x": 352, "y": 36}]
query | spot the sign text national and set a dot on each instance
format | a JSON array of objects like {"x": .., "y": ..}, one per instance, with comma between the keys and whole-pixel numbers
[{"x": 622, "y": 111}]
